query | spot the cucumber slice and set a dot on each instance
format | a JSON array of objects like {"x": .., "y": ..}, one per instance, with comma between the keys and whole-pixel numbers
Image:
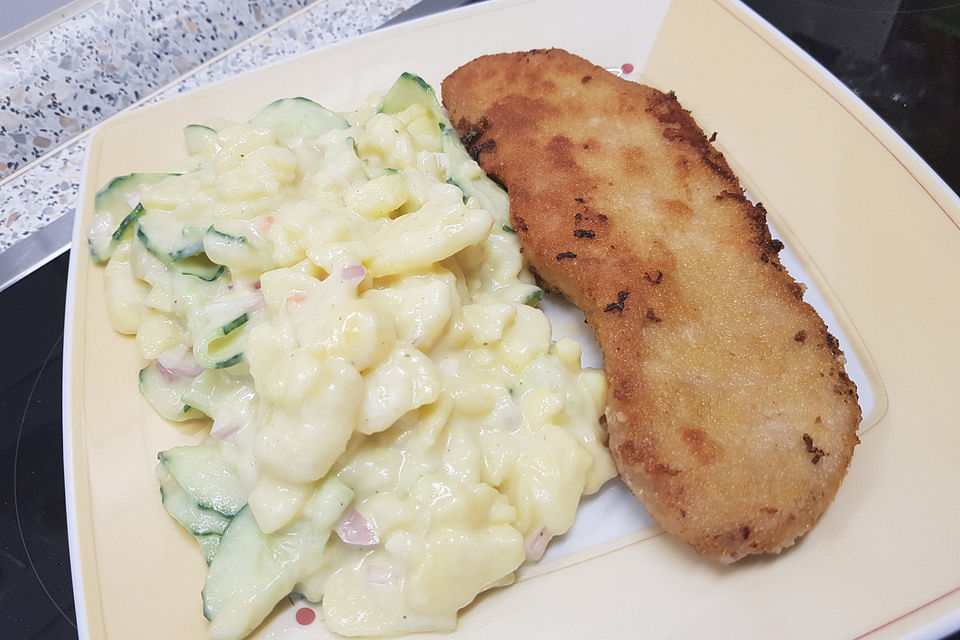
[
  {"x": 206, "y": 525},
  {"x": 194, "y": 248},
  {"x": 373, "y": 171},
  {"x": 164, "y": 393},
  {"x": 208, "y": 546},
  {"x": 233, "y": 324},
  {"x": 125, "y": 223},
  {"x": 534, "y": 298},
  {"x": 189, "y": 244},
  {"x": 200, "y": 395},
  {"x": 250, "y": 573},
  {"x": 453, "y": 182},
  {"x": 226, "y": 237},
  {"x": 192, "y": 292},
  {"x": 328, "y": 503},
  {"x": 200, "y": 139},
  {"x": 112, "y": 206},
  {"x": 201, "y": 267},
  {"x": 298, "y": 118},
  {"x": 179, "y": 246},
  {"x": 198, "y": 520},
  {"x": 224, "y": 346},
  {"x": 203, "y": 474},
  {"x": 467, "y": 175},
  {"x": 236, "y": 358},
  {"x": 217, "y": 394},
  {"x": 239, "y": 248},
  {"x": 99, "y": 250},
  {"x": 144, "y": 238},
  {"x": 412, "y": 89},
  {"x": 224, "y": 248},
  {"x": 167, "y": 238},
  {"x": 251, "y": 570}
]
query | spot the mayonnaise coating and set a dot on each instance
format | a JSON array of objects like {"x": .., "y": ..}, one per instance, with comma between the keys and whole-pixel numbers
[{"x": 386, "y": 337}]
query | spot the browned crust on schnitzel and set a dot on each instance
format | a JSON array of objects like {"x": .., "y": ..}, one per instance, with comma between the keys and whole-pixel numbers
[{"x": 730, "y": 414}]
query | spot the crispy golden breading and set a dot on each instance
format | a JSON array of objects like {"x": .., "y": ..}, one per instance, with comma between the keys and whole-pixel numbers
[{"x": 729, "y": 411}]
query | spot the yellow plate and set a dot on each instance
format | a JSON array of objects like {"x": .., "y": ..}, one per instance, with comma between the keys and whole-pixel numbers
[{"x": 875, "y": 229}]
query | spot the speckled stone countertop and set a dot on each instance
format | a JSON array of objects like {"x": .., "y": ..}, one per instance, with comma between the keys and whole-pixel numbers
[{"x": 122, "y": 52}]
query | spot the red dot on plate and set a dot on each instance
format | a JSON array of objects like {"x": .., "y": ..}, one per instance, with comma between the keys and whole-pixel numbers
[
  {"x": 305, "y": 615},
  {"x": 626, "y": 68}
]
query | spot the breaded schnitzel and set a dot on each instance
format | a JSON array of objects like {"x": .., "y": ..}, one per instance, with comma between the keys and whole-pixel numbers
[{"x": 730, "y": 414}]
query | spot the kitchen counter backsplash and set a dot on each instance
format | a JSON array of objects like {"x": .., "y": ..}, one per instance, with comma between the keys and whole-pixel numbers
[
  {"x": 107, "y": 57},
  {"x": 112, "y": 55}
]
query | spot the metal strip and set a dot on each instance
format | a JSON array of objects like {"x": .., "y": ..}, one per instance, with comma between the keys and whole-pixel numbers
[
  {"x": 425, "y": 8},
  {"x": 40, "y": 247},
  {"x": 43, "y": 24}
]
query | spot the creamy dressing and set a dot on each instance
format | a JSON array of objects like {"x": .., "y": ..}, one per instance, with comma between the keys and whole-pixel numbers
[{"x": 385, "y": 342}]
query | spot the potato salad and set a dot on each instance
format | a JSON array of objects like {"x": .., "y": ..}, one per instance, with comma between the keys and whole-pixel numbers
[{"x": 392, "y": 429}]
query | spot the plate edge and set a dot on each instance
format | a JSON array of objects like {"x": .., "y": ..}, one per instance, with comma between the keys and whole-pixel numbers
[{"x": 73, "y": 525}]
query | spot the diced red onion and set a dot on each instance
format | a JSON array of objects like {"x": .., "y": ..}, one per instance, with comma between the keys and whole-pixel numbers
[
  {"x": 537, "y": 544},
  {"x": 223, "y": 429},
  {"x": 355, "y": 529},
  {"x": 257, "y": 302},
  {"x": 355, "y": 272},
  {"x": 380, "y": 575},
  {"x": 179, "y": 363},
  {"x": 265, "y": 223},
  {"x": 295, "y": 301},
  {"x": 166, "y": 374}
]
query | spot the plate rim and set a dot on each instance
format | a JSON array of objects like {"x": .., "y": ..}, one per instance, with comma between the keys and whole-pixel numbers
[{"x": 69, "y": 479}]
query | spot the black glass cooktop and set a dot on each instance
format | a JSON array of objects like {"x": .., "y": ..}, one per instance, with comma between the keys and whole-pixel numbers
[
  {"x": 901, "y": 56},
  {"x": 36, "y": 597}
]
